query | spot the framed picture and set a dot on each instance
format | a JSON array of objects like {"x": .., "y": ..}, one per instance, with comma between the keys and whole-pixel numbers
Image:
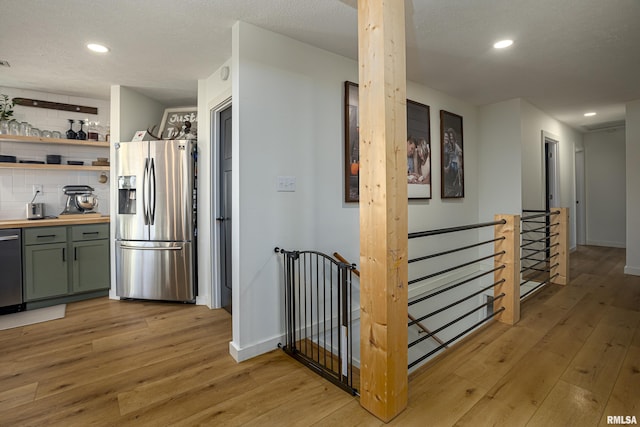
[
  {"x": 418, "y": 151},
  {"x": 173, "y": 121},
  {"x": 451, "y": 156},
  {"x": 418, "y": 147}
]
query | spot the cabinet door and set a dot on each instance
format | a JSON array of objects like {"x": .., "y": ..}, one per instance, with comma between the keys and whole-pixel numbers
[
  {"x": 90, "y": 265},
  {"x": 46, "y": 271}
]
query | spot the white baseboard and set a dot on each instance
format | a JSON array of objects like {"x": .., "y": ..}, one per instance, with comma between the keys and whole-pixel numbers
[
  {"x": 246, "y": 353},
  {"x": 606, "y": 244},
  {"x": 634, "y": 271},
  {"x": 204, "y": 300}
]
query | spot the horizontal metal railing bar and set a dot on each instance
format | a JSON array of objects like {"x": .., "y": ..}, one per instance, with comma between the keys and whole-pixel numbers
[
  {"x": 541, "y": 215},
  {"x": 448, "y": 288},
  {"x": 537, "y": 269},
  {"x": 523, "y": 296},
  {"x": 531, "y": 242},
  {"x": 535, "y": 230},
  {"x": 455, "y": 250},
  {"x": 539, "y": 274},
  {"x": 542, "y": 229},
  {"x": 538, "y": 259},
  {"x": 533, "y": 251},
  {"x": 534, "y": 210},
  {"x": 531, "y": 267},
  {"x": 533, "y": 222},
  {"x": 471, "y": 328},
  {"x": 454, "y": 229},
  {"x": 453, "y": 304},
  {"x": 535, "y": 276},
  {"x": 447, "y": 270},
  {"x": 456, "y": 320}
]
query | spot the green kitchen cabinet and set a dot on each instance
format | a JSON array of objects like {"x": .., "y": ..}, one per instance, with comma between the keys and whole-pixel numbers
[
  {"x": 46, "y": 271},
  {"x": 90, "y": 265},
  {"x": 64, "y": 264}
]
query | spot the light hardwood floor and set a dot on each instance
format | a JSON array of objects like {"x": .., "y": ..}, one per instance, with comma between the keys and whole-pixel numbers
[{"x": 573, "y": 359}]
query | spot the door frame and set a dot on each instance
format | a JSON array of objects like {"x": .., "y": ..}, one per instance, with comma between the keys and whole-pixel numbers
[
  {"x": 216, "y": 282},
  {"x": 554, "y": 176},
  {"x": 581, "y": 202}
]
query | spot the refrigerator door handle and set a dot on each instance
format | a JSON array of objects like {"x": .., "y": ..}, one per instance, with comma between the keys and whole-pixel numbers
[
  {"x": 143, "y": 248},
  {"x": 152, "y": 182},
  {"x": 144, "y": 192}
]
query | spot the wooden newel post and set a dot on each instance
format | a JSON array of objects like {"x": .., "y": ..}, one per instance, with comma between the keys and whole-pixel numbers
[
  {"x": 559, "y": 246},
  {"x": 510, "y": 274},
  {"x": 383, "y": 207}
]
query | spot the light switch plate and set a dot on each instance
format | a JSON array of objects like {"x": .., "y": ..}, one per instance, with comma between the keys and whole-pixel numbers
[{"x": 286, "y": 183}]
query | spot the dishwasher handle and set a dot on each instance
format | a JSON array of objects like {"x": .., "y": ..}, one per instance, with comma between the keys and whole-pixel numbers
[{"x": 7, "y": 238}]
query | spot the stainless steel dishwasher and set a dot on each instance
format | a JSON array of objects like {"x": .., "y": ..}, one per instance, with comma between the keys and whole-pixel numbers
[{"x": 11, "y": 271}]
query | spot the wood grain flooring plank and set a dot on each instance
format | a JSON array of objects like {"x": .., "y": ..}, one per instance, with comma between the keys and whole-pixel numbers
[
  {"x": 625, "y": 397},
  {"x": 568, "y": 405},
  {"x": 351, "y": 414},
  {"x": 17, "y": 396},
  {"x": 488, "y": 365},
  {"x": 570, "y": 333},
  {"x": 519, "y": 393},
  {"x": 596, "y": 366},
  {"x": 252, "y": 403},
  {"x": 202, "y": 374},
  {"x": 441, "y": 403}
]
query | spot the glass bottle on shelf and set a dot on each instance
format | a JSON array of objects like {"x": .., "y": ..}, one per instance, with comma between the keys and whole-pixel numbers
[
  {"x": 92, "y": 130},
  {"x": 81, "y": 134},
  {"x": 71, "y": 134}
]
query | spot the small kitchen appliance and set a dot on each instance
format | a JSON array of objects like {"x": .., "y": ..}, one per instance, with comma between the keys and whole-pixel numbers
[
  {"x": 35, "y": 210},
  {"x": 80, "y": 199}
]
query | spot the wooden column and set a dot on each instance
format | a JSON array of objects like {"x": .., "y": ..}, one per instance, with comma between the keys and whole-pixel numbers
[
  {"x": 511, "y": 272},
  {"x": 383, "y": 207},
  {"x": 561, "y": 251}
]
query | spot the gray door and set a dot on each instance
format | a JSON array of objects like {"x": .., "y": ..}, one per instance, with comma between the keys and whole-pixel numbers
[{"x": 225, "y": 208}]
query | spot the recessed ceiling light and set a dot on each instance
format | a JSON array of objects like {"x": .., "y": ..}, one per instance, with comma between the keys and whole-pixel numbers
[
  {"x": 98, "y": 48},
  {"x": 589, "y": 114},
  {"x": 502, "y": 44}
]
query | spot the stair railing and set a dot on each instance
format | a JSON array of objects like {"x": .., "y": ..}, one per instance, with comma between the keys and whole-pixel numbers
[{"x": 473, "y": 279}]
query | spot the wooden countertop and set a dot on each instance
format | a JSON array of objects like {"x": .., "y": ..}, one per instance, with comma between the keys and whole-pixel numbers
[{"x": 74, "y": 220}]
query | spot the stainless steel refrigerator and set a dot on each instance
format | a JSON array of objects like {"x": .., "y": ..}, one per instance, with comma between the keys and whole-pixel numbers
[{"x": 155, "y": 224}]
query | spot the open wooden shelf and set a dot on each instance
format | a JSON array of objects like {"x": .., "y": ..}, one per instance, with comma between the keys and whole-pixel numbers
[
  {"x": 42, "y": 140},
  {"x": 53, "y": 167}
]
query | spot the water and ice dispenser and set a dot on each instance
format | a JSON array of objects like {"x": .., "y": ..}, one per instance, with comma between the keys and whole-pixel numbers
[{"x": 127, "y": 194}]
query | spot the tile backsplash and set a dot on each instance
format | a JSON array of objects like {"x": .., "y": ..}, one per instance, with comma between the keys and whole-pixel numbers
[{"x": 16, "y": 185}]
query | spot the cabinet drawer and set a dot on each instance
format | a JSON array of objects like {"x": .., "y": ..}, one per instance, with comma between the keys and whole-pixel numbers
[
  {"x": 40, "y": 235},
  {"x": 89, "y": 232}
]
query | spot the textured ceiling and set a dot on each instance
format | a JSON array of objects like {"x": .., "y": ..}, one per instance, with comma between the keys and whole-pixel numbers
[{"x": 570, "y": 56}]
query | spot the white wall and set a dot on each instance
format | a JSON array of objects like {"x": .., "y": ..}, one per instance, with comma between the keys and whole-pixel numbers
[
  {"x": 633, "y": 189},
  {"x": 16, "y": 185},
  {"x": 288, "y": 120},
  {"x": 605, "y": 187},
  {"x": 500, "y": 174},
  {"x": 534, "y": 121},
  {"x": 134, "y": 112}
]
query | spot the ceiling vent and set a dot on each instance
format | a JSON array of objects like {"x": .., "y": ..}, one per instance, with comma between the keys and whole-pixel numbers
[
  {"x": 604, "y": 126},
  {"x": 4, "y": 63}
]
